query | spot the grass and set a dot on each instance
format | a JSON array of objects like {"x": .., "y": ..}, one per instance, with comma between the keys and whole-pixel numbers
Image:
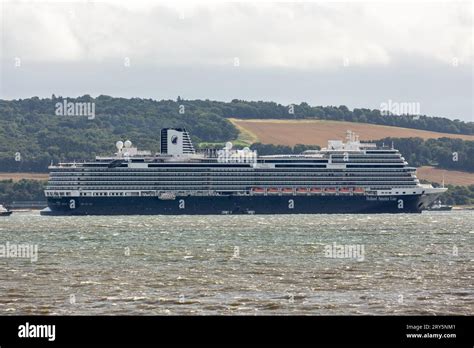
[{"x": 246, "y": 137}]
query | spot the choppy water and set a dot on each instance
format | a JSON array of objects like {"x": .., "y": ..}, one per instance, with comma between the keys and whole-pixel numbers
[{"x": 155, "y": 265}]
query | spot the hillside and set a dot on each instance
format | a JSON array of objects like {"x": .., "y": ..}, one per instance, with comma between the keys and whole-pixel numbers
[
  {"x": 31, "y": 128},
  {"x": 33, "y": 133},
  {"x": 268, "y": 110},
  {"x": 309, "y": 132}
]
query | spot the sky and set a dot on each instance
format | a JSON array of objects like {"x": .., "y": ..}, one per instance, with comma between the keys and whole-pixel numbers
[{"x": 353, "y": 53}]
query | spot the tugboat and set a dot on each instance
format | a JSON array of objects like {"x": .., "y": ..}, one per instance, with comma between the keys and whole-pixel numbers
[
  {"x": 4, "y": 211},
  {"x": 437, "y": 206}
]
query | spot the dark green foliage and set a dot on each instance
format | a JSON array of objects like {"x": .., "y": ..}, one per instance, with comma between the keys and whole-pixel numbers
[
  {"x": 23, "y": 190},
  {"x": 32, "y": 128},
  {"x": 458, "y": 195},
  {"x": 435, "y": 152}
]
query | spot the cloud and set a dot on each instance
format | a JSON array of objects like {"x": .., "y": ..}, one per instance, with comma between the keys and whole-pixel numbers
[
  {"x": 303, "y": 36},
  {"x": 358, "y": 54}
]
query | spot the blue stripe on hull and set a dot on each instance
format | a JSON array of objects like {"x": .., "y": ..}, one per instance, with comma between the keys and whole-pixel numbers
[{"x": 198, "y": 205}]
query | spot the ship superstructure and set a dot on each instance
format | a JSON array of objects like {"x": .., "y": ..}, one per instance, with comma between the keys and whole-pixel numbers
[{"x": 344, "y": 177}]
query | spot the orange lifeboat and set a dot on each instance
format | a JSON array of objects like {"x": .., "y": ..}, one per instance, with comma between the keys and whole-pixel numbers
[
  {"x": 344, "y": 190},
  {"x": 359, "y": 190},
  {"x": 330, "y": 190},
  {"x": 258, "y": 190},
  {"x": 272, "y": 190},
  {"x": 315, "y": 190},
  {"x": 287, "y": 190},
  {"x": 301, "y": 190}
]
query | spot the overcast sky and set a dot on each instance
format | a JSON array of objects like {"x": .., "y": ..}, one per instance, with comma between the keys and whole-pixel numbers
[{"x": 359, "y": 54}]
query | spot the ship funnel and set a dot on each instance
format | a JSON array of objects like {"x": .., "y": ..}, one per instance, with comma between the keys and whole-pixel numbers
[{"x": 176, "y": 141}]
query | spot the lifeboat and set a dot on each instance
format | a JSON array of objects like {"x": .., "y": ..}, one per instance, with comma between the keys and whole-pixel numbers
[
  {"x": 330, "y": 190},
  {"x": 315, "y": 190},
  {"x": 344, "y": 190},
  {"x": 301, "y": 190},
  {"x": 359, "y": 190},
  {"x": 258, "y": 190},
  {"x": 4, "y": 211},
  {"x": 272, "y": 190},
  {"x": 287, "y": 190}
]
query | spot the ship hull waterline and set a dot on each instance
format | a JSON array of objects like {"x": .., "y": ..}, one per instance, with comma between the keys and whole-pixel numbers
[{"x": 218, "y": 205}]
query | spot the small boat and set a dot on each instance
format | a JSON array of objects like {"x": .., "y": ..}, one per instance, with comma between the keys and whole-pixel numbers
[
  {"x": 437, "y": 206},
  {"x": 330, "y": 190},
  {"x": 344, "y": 190},
  {"x": 301, "y": 190},
  {"x": 287, "y": 190},
  {"x": 272, "y": 190},
  {"x": 4, "y": 211},
  {"x": 315, "y": 190},
  {"x": 359, "y": 190},
  {"x": 258, "y": 190}
]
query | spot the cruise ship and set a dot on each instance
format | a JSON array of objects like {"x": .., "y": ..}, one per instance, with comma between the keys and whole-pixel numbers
[{"x": 345, "y": 177}]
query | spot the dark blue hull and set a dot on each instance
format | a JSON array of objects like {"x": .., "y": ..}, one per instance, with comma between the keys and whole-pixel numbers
[{"x": 205, "y": 205}]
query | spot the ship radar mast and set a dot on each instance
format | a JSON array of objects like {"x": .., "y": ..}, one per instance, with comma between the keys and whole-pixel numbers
[{"x": 352, "y": 143}]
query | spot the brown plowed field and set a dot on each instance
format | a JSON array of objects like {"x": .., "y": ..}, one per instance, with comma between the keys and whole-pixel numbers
[
  {"x": 318, "y": 132},
  {"x": 452, "y": 177},
  {"x": 19, "y": 176}
]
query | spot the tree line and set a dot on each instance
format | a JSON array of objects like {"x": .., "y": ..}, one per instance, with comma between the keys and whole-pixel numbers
[
  {"x": 446, "y": 153},
  {"x": 32, "y": 134}
]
